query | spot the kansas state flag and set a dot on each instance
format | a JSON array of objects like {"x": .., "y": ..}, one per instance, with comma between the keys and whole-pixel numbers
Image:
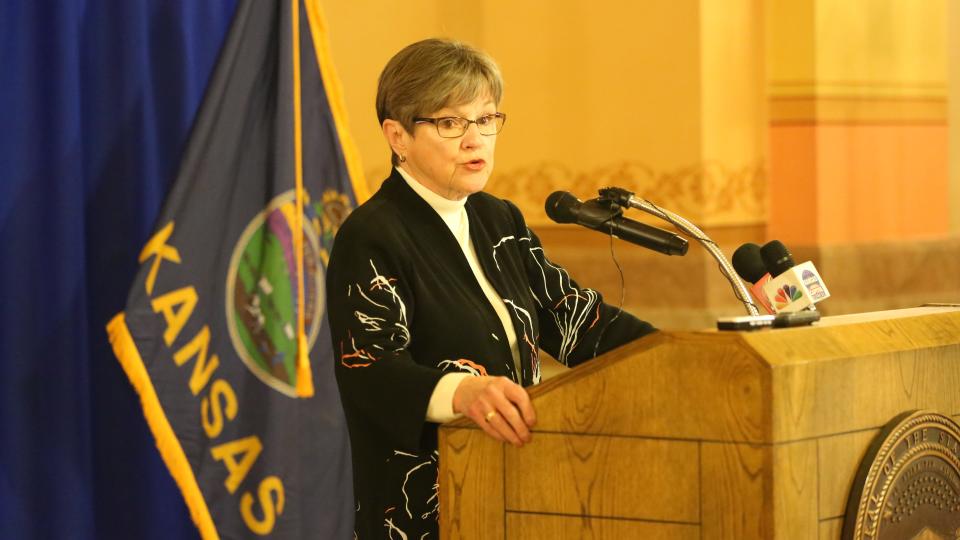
[{"x": 224, "y": 334}]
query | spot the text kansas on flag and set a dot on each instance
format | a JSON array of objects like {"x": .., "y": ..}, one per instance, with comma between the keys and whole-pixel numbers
[{"x": 224, "y": 334}]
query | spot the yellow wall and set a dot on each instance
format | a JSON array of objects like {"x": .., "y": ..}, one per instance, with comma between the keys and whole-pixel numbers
[
  {"x": 954, "y": 116},
  {"x": 823, "y": 123},
  {"x": 732, "y": 81},
  {"x": 364, "y": 34},
  {"x": 680, "y": 100},
  {"x": 858, "y": 100},
  {"x": 560, "y": 60},
  {"x": 663, "y": 97}
]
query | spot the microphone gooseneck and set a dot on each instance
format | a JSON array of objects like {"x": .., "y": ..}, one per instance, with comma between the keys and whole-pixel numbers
[{"x": 625, "y": 198}]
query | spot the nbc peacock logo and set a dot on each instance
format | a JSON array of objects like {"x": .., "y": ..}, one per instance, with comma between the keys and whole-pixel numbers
[
  {"x": 261, "y": 295},
  {"x": 786, "y": 295}
]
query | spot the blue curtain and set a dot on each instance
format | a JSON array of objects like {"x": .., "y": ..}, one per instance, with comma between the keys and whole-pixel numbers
[{"x": 96, "y": 102}]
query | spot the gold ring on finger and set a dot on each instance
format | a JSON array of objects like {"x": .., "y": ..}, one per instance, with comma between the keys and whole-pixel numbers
[{"x": 490, "y": 415}]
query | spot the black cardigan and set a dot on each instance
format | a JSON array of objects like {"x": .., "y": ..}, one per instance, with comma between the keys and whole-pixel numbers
[{"x": 405, "y": 309}]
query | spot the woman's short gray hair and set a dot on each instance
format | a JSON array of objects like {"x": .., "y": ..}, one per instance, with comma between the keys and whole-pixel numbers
[{"x": 432, "y": 74}]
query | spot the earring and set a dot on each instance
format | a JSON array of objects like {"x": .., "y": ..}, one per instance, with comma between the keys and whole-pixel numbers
[{"x": 403, "y": 158}]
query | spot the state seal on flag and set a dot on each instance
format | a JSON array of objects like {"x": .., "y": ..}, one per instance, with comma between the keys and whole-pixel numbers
[{"x": 261, "y": 294}]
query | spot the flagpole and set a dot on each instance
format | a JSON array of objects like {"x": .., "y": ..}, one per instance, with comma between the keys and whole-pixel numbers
[{"x": 304, "y": 374}]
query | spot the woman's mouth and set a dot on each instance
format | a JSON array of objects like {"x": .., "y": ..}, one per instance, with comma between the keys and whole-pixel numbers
[{"x": 475, "y": 164}]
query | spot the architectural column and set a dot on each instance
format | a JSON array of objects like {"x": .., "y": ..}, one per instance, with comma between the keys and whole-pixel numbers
[
  {"x": 858, "y": 121},
  {"x": 859, "y": 159}
]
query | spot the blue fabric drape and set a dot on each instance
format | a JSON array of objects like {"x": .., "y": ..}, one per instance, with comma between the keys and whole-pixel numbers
[{"x": 96, "y": 102}]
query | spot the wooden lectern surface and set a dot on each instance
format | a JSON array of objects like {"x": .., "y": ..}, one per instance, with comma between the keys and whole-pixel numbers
[{"x": 704, "y": 434}]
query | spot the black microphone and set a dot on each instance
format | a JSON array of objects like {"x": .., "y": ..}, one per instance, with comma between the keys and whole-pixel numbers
[
  {"x": 776, "y": 257},
  {"x": 793, "y": 287},
  {"x": 563, "y": 207},
  {"x": 748, "y": 263}
]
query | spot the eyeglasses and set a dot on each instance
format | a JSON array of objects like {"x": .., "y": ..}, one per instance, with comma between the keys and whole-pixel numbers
[{"x": 451, "y": 127}]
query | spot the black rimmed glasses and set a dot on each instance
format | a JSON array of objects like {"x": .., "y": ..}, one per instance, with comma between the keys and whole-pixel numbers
[{"x": 451, "y": 127}]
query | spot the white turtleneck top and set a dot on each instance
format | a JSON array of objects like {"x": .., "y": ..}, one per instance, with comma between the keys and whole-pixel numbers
[{"x": 454, "y": 214}]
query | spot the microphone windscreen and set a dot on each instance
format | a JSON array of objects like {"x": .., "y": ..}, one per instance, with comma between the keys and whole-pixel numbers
[
  {"x": 561, "y": 206},
  {"x": 748, "y": 262},
  {"x": 776, "y": 257}
]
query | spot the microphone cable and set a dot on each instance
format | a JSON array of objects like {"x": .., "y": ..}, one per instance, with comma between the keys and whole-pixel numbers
[{"x": 623, "y": 293}]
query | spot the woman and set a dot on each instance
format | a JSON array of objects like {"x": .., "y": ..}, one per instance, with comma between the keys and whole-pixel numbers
[{"x": 440, "y": 296}]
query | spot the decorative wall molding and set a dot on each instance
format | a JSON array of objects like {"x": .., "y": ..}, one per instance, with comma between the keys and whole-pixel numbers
[{"x": 708, "y": 193}]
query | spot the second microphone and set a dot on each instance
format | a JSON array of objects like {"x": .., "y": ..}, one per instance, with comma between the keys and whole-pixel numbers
[{"x": 564, "y": 207}]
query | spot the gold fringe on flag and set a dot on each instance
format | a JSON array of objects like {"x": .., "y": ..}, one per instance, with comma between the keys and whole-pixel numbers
[{"x": 170, "y": 450}]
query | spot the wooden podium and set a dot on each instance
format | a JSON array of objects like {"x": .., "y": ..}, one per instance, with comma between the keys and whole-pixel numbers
[{"x": 701, "y": 435}]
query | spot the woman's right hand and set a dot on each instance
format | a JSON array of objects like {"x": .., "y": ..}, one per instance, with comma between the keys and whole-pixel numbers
[{"x": 498, "y": 405}]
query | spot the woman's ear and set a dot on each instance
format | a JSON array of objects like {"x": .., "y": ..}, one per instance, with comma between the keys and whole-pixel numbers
[{"x": 396, "y": 136}]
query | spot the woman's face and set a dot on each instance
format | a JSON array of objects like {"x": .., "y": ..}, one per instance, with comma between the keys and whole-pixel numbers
[{"x": 452, "y": 168}]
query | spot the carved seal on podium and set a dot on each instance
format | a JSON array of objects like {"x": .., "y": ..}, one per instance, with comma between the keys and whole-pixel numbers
[{"x": 908, "y": 484}]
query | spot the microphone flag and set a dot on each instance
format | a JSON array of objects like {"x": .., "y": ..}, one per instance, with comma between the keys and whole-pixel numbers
[
  {"x": 224, "y": 334},
  {"x": 756, "y": 290},
  {"x": 796, "y": 289}
]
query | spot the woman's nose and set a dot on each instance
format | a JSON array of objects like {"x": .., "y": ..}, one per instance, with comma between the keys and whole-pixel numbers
[{"x": 472, "y": 137}]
